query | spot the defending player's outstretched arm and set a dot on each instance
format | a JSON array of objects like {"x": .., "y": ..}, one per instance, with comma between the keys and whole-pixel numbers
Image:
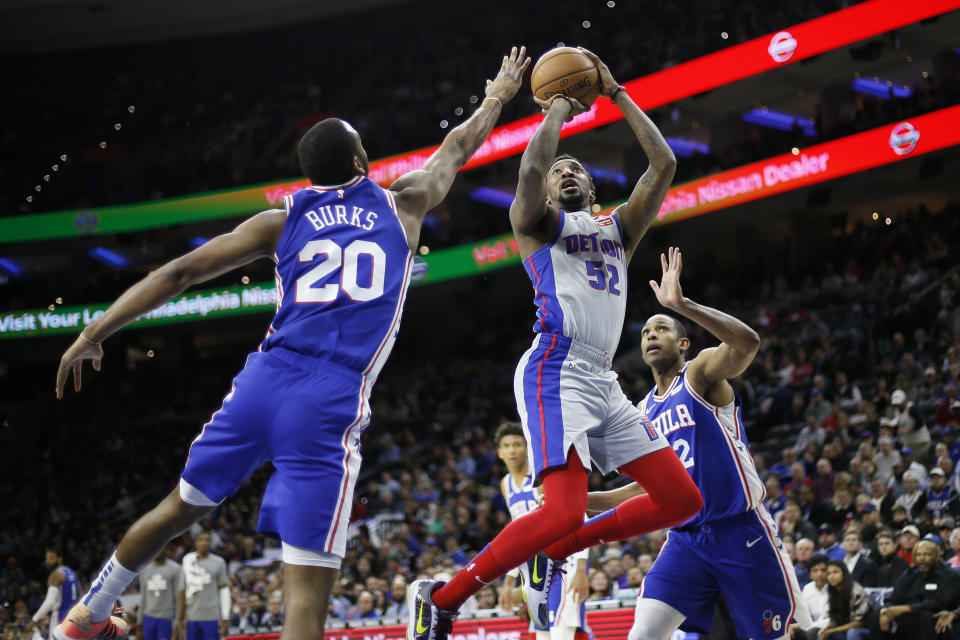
[
  {"x": 419, "y": 191},
  {"x": 639, "y": 211},
  {"x": 256, "y": 237},
  {"x": 739, "y": 343}
]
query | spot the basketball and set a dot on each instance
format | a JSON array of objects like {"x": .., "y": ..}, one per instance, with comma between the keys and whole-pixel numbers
[{"x": 565, "y": 70}]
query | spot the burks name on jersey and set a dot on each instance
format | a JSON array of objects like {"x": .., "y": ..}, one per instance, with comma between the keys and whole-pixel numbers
[{"x": 327, "y": 215}]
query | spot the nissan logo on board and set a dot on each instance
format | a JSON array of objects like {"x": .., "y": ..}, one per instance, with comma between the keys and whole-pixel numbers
[
  {"x": 904, "y": 138},
  {"x": 782, "y": 46}
]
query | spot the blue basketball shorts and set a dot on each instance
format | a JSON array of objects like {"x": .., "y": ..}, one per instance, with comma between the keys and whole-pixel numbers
[
  {"x": 740, "y": 557},
  {"x": 203, "y": 630},
  {"x": 157, "y": 628},
  {"x": 306, "y": 416},
  {"x": 567, "y": 396}
]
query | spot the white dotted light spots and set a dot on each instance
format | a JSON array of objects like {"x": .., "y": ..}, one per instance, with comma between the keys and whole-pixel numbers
[
  {"x": 103, "y": 144},
  {"x": 888, "y": 221},
  {"x": 29, "y": 198},
  {"x": 55, "y": 167},
  {"x": 38, "y": 188},
  {"x": 595, "y": 208},
  {"x": 876, "y": 216},
  {"x": 131, "y": 109},
  {"x": 51, "y": 307},
  {"x": 424, "y": 250},
  {"x": 63, "y": 158},
  {"x": 117, "y": 126},
  {"x": 245, "y": 280},
  {"x": 586, "y": 24},
  {"x": 444, "y": 124},
  {"x": 458, "y": 111},
  {"x": 611, "y": 4},
  {"x": 46, "y": 177},
  {"x": 473, "y": 99},
  {"x": 150, "y": 353},
  {"x": 795, "y": 151},
  {"x": 724, "y": 35},
  {"x": 59, "y": 301}
]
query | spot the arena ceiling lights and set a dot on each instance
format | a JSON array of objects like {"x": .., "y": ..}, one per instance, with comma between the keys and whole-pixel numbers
[{"x": 745, "y": 60}]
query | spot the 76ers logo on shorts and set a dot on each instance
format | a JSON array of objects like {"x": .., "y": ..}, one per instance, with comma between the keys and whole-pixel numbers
[
  {"x": 771, "y": 623},
  {"x": 904, "y": 138},
  {"x": 782, "y": 46}
]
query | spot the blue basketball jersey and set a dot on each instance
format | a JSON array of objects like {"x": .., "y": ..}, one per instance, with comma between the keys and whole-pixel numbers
[
  {"x": 520, "y": 500},
  {"x": 712, "y": 444},
  {"x": 343, "y": 268},
  {"x": 69, "y": 592}
]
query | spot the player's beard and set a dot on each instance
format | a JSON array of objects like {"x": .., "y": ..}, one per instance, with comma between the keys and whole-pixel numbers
[{"x": 573, "y": 202}]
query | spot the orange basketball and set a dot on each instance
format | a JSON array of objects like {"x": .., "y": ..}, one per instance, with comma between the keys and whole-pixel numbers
[{"x": 565, "y": 70}]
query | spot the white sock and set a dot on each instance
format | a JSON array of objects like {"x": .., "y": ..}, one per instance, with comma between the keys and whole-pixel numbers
[{"x": 111, "y": 582}]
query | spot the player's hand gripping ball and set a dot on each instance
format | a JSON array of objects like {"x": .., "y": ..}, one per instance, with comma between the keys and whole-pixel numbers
[{"x": 567, "y": 71}]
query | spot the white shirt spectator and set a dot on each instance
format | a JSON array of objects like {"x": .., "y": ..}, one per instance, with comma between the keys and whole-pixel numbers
[{"x": 818, "y": 603}]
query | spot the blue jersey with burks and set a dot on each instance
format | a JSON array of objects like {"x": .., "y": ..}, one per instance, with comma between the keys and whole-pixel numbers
[
  {"x": 69, "y": 592},
  {"x": 343, "y": 269},
  {"x": 712, "y": 444}
]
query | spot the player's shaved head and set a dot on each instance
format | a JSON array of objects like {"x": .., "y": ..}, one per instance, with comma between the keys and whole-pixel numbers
[{"x": 328, "y": 152}]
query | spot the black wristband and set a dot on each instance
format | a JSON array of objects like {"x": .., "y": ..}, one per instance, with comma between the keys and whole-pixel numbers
[{"x": 613, "y": 96}]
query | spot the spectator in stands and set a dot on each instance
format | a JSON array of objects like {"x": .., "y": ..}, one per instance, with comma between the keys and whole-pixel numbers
[
  {"x": 912, "y": 499},
  {"x": 645, "y": 562},
  {"x": 398, "y": 598},
  {"x": 828, "y": 543},
  {"x": 811, "y": 433},
  {"x": 601, "y": 587},
  {"x": 803, "y": 550},
  {"x": 909, "y": 536},
  {"x": 839, "y": 510},
  {"x": 823, "y": 481},
  {"x": 948, "y": 409},
  {"x": 486, "y": 599},
  {"x": 242, "y": 618},
  {"x": 846, "y": 394},
  {"x": 339, "y": 602},
  {"x": 364, "y": 609},
  {"x": 922, "y": 591},
  {"x": 818, "y": 408},
  {"x": 848, "y": 605},
  {"x": 890, "y": 564},
  {"x": 870, "y": 519},
  {"x": 886, "y": 457},
  {"x": 910, "y": 425},
  {"x": 792, "y": 522},
  {"x": 941, "y": 500},
  {"x": 954, "y": 542},
  {"x": 798, "y": 479},
  {"x": 784, "y": 469},
  {"x": 274, "y": 615},
  {"x": 817, "y": 598},
  {"x": 775, "y": 500},
  {"x": 861, "y": 568}
]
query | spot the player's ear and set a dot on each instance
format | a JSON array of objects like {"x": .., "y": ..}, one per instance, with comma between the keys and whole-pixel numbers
[
  {"x": 684, "y": 344},
  {"x": 359, "y": 166},
  {"x": 593, "y": 197}
]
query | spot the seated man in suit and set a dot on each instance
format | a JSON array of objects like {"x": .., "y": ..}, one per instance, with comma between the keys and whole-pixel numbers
[{"x": 861, "y": 568}]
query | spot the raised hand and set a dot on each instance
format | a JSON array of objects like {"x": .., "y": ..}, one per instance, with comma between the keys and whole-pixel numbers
[
  {"x": 576, "y": 107},
  {"x": 81, "y": 349},
  {"x": 668, "y": 292},
  {"x": 508, "y": 80},
  {"x": 607, "y": 84}
]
